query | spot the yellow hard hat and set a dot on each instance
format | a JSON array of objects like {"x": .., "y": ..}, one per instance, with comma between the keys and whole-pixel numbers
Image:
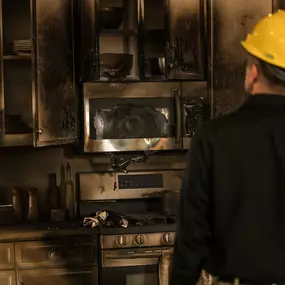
[{"x": 267, "y": 40}]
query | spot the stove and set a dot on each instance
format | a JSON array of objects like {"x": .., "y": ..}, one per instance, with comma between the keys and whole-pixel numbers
[{"x": 141, "y": 252}]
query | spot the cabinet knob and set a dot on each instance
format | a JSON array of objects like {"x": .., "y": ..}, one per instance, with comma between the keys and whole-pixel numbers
[
  {"x": 167, "y": 238},
  {"x": 122, "y": 240},
  {"x": 40, "y": 131}
]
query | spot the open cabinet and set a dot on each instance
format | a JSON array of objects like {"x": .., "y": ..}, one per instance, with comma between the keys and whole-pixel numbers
[
  {"x": 142, "y": 40},
  {"x": 37, "y": 83}
]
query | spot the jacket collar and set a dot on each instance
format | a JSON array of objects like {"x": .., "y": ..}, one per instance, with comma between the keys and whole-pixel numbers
[{"x": 267, "y": 99}]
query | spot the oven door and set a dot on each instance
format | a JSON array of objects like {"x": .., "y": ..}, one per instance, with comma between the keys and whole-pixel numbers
[
  {"x": 132, "y": 117},
  {"x": 139, "y": 266}
]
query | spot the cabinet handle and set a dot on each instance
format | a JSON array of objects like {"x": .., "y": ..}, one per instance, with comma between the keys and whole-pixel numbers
[
  {"x": 40, "y": 131},
  {"x": 54, "y": 253}
]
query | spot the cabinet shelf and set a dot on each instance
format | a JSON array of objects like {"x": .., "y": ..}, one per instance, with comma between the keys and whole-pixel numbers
[
  {"x": 18, "y": 139},
  {"x": 17, "y": 57}
]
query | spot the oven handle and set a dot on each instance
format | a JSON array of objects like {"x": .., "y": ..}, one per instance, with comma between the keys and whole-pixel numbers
[
  {"x": 125, "y": 259},
  {"x": 178, "y": 125},
  {"x": 131, "y": 255}
]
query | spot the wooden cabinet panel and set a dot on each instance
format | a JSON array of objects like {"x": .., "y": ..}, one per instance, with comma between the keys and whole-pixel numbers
[
  {"x": 78, "y": 276},
  {"x": 7, "y": 278},
  {"x": 6, "y": 256},
  {"x": 55, "y": 79},
  {"x": 55, "y": 253}
]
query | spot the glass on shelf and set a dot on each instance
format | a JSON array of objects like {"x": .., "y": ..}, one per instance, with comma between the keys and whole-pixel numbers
[
  {"x": 118, "y": 40},
  {"x": 154, "y": 39}
]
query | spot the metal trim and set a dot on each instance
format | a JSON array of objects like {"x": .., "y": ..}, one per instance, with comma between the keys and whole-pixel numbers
[{"x": 2, "y": 101}]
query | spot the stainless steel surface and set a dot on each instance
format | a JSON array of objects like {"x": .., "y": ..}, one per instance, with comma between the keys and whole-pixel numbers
[
  {"x": 131, "y": 90},
  {"x": 190, "y": 91},
  {"x": 137, "y": 240},
  {"x": 134, "y": 257},
  {"x": 230, "y": 23},
  {"x": 182, "y": 93},
  {"x": 106, "y": 186},
  {"x": 178, "y": 126},
  {"x": 171, "y": 202}
]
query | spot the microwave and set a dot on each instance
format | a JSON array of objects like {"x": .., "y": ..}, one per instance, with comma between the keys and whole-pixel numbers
[{"x": 142, "y": 116}]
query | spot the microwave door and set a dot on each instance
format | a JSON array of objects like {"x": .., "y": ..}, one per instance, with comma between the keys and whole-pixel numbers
[{"x": 133, "y": 124}]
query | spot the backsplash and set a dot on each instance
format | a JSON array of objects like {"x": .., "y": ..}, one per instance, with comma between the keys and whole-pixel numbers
[{"x": 29, "y": 167}]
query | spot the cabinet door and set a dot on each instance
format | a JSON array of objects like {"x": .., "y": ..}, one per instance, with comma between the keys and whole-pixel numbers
[
  {"x": 55, "y": 79},
  {"x": 67, "y": 276},
  {"x": 231, "y": 22},
  {"x": 7, "y": 278},
  {"x": 186, "y": 54},
  {"x": 88, "y": 39}
]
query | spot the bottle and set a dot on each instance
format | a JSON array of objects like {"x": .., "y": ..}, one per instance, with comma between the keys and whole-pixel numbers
[
  {"x": 53, "y": 192},
  {"x": 69, "y": 190},
  {"x": 33, "y": 213},
  {"x": 62, "y": 188}
]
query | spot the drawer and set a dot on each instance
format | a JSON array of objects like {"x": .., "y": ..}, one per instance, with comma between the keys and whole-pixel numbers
[
  {"x": 60, "y": 252},
  {"x": 7, "y": 255}
]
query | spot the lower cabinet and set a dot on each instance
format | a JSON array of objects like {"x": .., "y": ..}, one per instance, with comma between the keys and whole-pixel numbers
[
  {"x": 7, "y": 278},
  {"x": 64, "y": 276}
]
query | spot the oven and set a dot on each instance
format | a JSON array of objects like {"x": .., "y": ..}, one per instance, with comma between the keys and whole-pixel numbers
[
  {"x": 141, "y": 266},
  {"x": 142, "y": 116}
]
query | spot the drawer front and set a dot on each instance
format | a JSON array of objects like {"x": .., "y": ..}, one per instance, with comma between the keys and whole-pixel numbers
[
  {"x": 6, "y": 255},
  {"x": 59, "y": 276},
  {"x": 68, "y": 251},
  {"x": 7, "y": 278}
]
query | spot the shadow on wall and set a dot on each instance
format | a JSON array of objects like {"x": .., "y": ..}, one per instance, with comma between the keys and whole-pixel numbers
[{"x": 29, "y": 167}]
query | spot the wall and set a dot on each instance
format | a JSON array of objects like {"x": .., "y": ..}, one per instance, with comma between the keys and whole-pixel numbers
[{"x": 29, "y": 167}]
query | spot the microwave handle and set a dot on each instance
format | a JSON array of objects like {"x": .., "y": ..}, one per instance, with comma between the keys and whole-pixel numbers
[{"x": 178, "y": 123}]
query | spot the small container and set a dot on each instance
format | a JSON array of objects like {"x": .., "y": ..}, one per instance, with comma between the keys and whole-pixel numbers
[
  {"x": 70, "y": 197},
  {"x": 53, "y": 192},
  {"x": 58, "y": 216},
  {"x": 62, "y": 190},
  {"x": 33, "y": 213}
]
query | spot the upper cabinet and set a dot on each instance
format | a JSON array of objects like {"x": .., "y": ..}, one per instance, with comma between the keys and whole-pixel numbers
[
  {"x": 142, "y": 40},
  {"x": 37, "y": 82}
]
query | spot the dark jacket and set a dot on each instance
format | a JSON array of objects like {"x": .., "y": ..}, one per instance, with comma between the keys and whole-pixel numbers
[{"x": 232, "y": 215}]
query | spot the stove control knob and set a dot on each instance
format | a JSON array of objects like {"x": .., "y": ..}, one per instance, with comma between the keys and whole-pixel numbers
[
  {"x": 140, "y": 239},
  {"x": 122, "y": 240},
  {"x": 167, "y": 238}
]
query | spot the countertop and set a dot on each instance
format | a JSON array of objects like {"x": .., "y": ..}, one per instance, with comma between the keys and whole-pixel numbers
[
  {"x": 53, "y": 230},
  {"x": 44, "y": 230}
]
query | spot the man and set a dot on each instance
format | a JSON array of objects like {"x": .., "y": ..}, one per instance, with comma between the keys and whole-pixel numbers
[{"x": 232, "y": 217}]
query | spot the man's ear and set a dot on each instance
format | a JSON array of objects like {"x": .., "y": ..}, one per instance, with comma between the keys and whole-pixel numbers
[{"x": 254, "y": 73}]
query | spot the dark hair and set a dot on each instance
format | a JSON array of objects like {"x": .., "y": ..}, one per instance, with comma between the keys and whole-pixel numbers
[{"x": 273, "y": 74}]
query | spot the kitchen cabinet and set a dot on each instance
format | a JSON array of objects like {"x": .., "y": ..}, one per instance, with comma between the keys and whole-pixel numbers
[
  {"x": 37, "y": 82},
  {"x": 166, "y": 38},
  {"x": 7, "y": 278},
  {"x": 6, "y": 256},
  {"x": 67, "y": 276},
  {"x": 55, "y": 253}
]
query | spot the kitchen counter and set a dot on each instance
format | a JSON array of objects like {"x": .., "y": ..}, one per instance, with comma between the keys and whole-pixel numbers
[
  {"x": 53, "y": 230},
  {"x": 43, "y": 230}
]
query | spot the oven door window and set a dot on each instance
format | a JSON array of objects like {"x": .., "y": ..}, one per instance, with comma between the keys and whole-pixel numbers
[
  {"x": 131, "y": 118},
  {"x": 138, "y": 275}
]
